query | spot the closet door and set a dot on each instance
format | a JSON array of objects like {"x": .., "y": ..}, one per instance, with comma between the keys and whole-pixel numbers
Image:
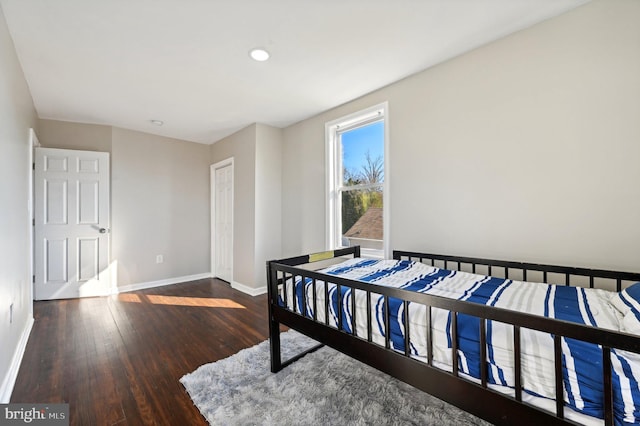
[{"x": 222, "y": 220}]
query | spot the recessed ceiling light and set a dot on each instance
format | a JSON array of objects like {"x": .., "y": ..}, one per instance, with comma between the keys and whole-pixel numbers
[
  {"x": 259, "y": 54},
  {"x": 157, "y": 122}
]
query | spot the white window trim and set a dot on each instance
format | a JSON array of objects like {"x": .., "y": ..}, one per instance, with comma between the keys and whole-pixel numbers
[{"x": 333, "y": 175}]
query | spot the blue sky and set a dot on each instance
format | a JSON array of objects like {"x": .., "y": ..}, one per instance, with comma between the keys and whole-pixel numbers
[{"x": 355, "y": 144}]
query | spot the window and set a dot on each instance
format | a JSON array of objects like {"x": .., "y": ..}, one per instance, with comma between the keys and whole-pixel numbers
[{"x": 357, "y": 185}]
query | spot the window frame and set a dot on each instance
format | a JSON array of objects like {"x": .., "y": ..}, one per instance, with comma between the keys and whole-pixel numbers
[{"x": 334, "y": 177}]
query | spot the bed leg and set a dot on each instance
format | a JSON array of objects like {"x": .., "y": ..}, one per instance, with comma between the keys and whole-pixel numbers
[
  {"x": 274, "y": 343},
  {"x": 274, "y": 326}
]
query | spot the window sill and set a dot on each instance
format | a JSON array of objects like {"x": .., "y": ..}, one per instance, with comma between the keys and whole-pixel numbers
[{"x": 372, "y": 253}]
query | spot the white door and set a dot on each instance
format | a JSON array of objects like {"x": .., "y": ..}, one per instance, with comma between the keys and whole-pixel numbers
[
  {"x": 222, "y": 221},
  {"x": 71, "y": 224}
]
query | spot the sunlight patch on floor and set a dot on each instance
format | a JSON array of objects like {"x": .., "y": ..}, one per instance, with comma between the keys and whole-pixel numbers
[
  {"x": 180, "y": 301},
  {"x": 127, "y": 297}
]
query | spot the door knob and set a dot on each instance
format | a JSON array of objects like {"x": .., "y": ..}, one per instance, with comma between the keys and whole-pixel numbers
[{"x": 103, "y": 230}]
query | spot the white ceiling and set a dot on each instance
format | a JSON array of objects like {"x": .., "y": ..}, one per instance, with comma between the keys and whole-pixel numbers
[{"x": 185, "y": 62}]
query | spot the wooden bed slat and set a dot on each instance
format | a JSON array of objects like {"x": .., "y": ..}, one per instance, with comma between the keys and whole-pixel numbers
[
  {"x": 484, "y": 365},
  {"x": 354, "y": 321},
  {"x": 407, "y": 329},
  {"x": 429, "y": 337},
  {"x": 608, "y": 390},
  {"x": 369, "y": 329},
  {"x": 454, "y": 342},
  {"x": 557, "y": 351},
  {"x": 517, "y": 363},
  {"x": 284, "y": 289},
  {"x": 315, "y": 299},
  {"x": 326, "y": 303},
  {"x": 339, "y": 304},
  {"x": 303, "y": 295},
  {"x": 387, "y": 326}
]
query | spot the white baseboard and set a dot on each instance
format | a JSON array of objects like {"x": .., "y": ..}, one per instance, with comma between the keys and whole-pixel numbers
[
  {"x": 234, "y": 284},
  {"x": 10, "y": 379},
  {"x": 160, "y": 283},
  {"x": 249, "y": 290}
]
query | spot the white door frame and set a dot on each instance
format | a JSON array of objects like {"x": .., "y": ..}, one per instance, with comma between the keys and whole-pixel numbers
[
  {"x": 33, "y": 143},
  {"x": 213, "y": 168}
]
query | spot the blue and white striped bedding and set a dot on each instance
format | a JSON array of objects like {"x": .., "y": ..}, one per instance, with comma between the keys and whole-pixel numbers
[{"x": 582, "y": 361}]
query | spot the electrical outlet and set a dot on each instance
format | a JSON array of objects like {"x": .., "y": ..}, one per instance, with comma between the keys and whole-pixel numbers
[
  {"x": 159, "y": 258},
  {"x": 11, "y": 313}
]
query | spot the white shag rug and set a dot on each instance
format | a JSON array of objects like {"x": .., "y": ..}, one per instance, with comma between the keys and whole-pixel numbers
[{"x": 322, "y": 388}]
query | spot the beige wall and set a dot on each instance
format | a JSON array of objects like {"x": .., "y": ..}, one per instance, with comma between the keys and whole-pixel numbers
[
  {"x": 268, "y": 199},
  {"x": 526, "y": 148},
  {"x": 257, "y": 156},
  {"x": 159, "y": 199},
  {"x": 17, "y": 115},
  {"x": 242, "y": 147},
  {"x": 303, "y": 184},
  {"x": 160, "y": 206},
  {"x": 65, "y": 135}
]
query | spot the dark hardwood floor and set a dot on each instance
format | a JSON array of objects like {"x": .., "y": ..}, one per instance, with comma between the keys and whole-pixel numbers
[{"x": 117, "y": 360}]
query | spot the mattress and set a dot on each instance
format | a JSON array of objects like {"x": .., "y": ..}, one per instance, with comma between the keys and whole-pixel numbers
[{"x": 582, "y": 370}]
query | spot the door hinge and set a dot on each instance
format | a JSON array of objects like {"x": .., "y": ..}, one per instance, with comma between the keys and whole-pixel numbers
[
  {"x": 33, "y": 279},
  {"x": 34, "y": 166},
  {"x": 33, "y": 222}
]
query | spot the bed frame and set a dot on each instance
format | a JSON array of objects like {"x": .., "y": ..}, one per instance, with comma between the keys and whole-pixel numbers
[{"x": 475, "y": 398}]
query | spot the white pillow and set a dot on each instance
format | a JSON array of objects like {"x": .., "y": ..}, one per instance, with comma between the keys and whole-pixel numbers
[{"x": 628, "y": 303}]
